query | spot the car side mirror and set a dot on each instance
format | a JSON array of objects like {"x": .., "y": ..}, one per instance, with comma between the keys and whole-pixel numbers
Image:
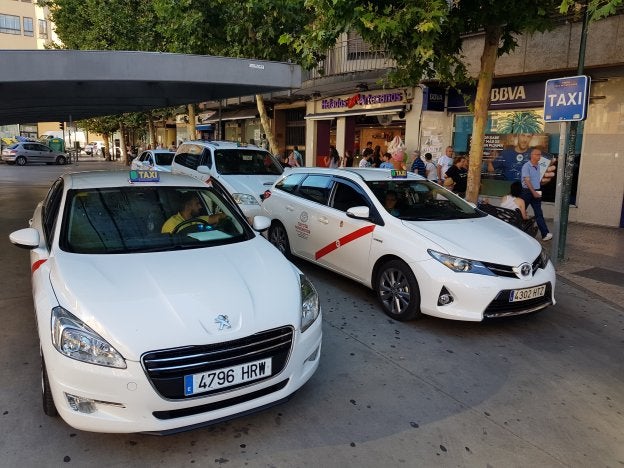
[
  {"x": 27, "y": 238},
  {"x": 359, "y": 212},
  {"x": 261, "y": 223},
  {"x": 203, "y": 169}
]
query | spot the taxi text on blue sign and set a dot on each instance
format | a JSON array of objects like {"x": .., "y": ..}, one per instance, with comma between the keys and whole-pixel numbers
[{"x": 565, "y": 99}]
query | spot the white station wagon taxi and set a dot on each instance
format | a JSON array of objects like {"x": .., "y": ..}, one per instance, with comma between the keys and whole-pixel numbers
[
  {"x": 154, "y": 308},
  {"x": 419, "y": 246}
]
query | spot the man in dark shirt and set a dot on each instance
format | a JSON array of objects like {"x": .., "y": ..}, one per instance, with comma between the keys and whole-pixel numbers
[
  {"x": 418, "y": 166},
  {"x": 457, "y": 176}
]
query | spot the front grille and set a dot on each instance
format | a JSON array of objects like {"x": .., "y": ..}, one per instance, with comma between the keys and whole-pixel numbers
[
  {"x": 166, "y": 368},
  {"x": 501, "y": 307},
  {"x": 508, "y": 271}
]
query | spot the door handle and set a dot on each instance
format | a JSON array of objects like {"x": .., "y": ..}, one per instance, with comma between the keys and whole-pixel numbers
[
  {"x": 323, "y": 220},
  {"x": 290, "y": 208}
]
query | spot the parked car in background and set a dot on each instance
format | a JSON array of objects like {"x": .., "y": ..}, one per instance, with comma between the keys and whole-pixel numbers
[
  {"x": 421, "y": 248},
  {"x": 151, "y": 322},
  {"x": 95, "y": 148},
  {"x": 246, "y": 171},
  {"x": 26, "y": 152},
  {"x": 157, "y": 160}
]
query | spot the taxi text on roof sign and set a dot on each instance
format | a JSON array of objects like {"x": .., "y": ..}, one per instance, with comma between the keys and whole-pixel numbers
[
  {"x": 144, "y": 176},
  {"x": 396, "y": 174}
]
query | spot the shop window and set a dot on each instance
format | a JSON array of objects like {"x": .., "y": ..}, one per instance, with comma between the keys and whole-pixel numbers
[
  {"x": 509, "y": 138},
  {"x": 295, "y": 127}
]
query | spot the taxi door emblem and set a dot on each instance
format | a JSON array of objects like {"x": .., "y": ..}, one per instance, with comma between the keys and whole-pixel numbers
[{"x": 223, "y": 322}]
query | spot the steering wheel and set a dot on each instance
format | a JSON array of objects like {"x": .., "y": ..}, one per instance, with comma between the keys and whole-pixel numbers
[{"x": 187, "y": 224}]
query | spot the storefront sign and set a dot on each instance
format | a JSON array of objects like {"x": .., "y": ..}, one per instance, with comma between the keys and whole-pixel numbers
[
  {"x": 433, "y": 99},
  {"x": 512, "y": 96},
  {"x": 362, "y": 100}
]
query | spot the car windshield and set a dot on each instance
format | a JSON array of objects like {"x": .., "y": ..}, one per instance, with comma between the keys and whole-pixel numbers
[
  {"x": 164, "y": 159},
  {"x": 148, "y": 219},
  {"x": 421, "y": 200},
  {"x": 241, "y": 161}
]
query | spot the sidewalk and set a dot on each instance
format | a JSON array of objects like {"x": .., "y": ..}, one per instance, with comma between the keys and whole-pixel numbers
[{"x": 593, "y": 261}]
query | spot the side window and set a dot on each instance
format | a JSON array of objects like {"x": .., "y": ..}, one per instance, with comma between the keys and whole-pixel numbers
[
  {"x": 316, "y": 188},
  {"x": 206, "y": 159},
  {"x": 189, "y": 156},
  {"x": 289, "y": 183},
  {"x": 143, "y": 156},
  {"x": 50, "y": 209},
  {"x": 41, "y": 147},
  {"x": 346, "y": 197},
  {"x": 29, "y": 146}
]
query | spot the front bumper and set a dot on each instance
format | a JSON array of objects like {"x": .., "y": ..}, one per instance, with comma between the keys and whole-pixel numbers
[
  {"x": 126, "y": 401},
  {"x": 475, "y": 296}
]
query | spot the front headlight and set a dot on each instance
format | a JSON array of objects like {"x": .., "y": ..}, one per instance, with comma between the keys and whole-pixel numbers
[
  {"x": 76, "y": 340},
  {"x": 461, "y": 265},
  {"x": 544, "y": 258},
  {"x": 309, "y": 303},
  {"x": 245, "y": 199}
]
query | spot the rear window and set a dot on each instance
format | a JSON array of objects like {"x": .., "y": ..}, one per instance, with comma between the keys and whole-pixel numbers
[
  {"x": 241, "y": 161},
  {"x": 164, "y": 159}
]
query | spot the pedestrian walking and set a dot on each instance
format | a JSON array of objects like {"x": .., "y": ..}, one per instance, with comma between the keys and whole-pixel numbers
[{"x": 531, "y": 191}]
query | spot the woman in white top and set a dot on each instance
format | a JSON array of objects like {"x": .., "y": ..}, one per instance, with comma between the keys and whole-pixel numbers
[{"x": 513, "y": 201}]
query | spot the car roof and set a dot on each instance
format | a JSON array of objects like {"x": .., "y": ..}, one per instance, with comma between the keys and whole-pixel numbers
[
  {"x": 159, "y": 151},
  {"x": 105, "y": 179},
  {"x": 354, "y": 173},
  {"x": 214, "y": 144}
]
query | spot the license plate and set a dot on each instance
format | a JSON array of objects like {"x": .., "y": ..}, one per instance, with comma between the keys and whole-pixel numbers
[
  {"x": 226, "y": 377},
  {"x": 525, "y": 294}
]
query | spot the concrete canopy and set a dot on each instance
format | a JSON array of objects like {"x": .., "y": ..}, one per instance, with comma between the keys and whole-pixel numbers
[{"x": 52, "y": 85}]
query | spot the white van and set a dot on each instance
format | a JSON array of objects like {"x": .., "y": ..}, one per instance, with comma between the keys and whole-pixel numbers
[{"x": 246, "y": 171}]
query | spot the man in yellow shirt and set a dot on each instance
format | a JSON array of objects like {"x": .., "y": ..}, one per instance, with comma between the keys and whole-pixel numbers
[{"x": 191, "y": 207}]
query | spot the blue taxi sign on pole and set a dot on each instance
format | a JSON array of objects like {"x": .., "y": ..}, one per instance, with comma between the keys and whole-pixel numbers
[{"x": 565, "y": 99}]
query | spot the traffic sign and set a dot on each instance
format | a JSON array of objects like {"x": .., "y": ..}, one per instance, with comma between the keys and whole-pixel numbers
[{"x": 565, "y": 99}]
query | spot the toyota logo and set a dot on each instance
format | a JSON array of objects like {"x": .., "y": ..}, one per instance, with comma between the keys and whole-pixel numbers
[{"x": 525, "y": 269}]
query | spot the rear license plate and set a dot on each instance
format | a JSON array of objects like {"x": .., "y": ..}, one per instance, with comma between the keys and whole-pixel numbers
[
  {"x": 226, "y": 377},
  {"x": 525, "y": 294}
]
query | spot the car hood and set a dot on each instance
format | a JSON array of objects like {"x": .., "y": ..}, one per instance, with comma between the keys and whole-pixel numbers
[
  {"x": 252, "y": 184},
  {"x": 485, "y": 239},
  {"x": 148, "y": 301}
]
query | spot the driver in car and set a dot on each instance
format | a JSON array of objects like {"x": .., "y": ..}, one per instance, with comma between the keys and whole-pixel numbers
[{"x": 190, "y": 208}]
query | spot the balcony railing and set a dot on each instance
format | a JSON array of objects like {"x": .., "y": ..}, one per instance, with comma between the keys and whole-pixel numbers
[{"x": 349, "y": 56}]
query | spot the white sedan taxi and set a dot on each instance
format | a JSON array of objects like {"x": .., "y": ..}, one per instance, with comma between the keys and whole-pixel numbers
[
  {"x": 419, "y": 246},
  {"x": 155, "y": 308}
]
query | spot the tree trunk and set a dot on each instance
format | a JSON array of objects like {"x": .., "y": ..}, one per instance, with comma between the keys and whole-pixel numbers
[
  {"x": 122, "y": 142},
  {"x": 190, "y": 127},
  {"x": 152, "y": 130},
  {"x": 266, "y": 125},
  {"x": 482, "y": 101},
  {"x": 106, "y": 148}
]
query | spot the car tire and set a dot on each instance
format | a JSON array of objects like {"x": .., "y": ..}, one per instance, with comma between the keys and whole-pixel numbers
[
  {"x": 279, "y": 238},
  {"x": 397, "y": 290},
  {"x": 49, "y": 408},
  {"x": 20, "y": 161},
  {"x": 61, "y": 160}
]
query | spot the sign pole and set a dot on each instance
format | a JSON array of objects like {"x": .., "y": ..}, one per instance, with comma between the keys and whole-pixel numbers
[{"x": 561, "y": 163}]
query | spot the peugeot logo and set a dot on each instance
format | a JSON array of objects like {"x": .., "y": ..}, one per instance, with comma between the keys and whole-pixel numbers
[
  {"x": 223, "y": 322},
  {"x": 525, "y": 269}
]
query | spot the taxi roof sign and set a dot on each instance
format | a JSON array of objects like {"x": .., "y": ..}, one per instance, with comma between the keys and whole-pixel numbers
[
  {"x": 398, "y": 174},
  {"x": 144, "y": 176}
]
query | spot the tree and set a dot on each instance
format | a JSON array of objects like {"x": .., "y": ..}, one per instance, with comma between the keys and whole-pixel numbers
[
  {"x": 246, "y": 28},
  {"x": 425, "y": 39}
]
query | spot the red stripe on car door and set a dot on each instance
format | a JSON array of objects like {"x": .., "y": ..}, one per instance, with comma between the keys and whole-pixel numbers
[
  {"x": 344, "y": 240},
  {"x": 35, "y": 266}
]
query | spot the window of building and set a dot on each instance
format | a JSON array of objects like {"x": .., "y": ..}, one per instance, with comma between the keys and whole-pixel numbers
[
  {"x": 28, "y": 27},
  {"x": 295, "y": 127},
  {"x": 43, "y": 29},
  {"x": 10, "y": 24},
  {"x": 356, "y": 46}
]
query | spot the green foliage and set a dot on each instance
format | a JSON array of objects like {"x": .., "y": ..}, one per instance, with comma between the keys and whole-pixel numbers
[
  {"x": 423, "y": 36},
  {"x": 597, "y": 9}
]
